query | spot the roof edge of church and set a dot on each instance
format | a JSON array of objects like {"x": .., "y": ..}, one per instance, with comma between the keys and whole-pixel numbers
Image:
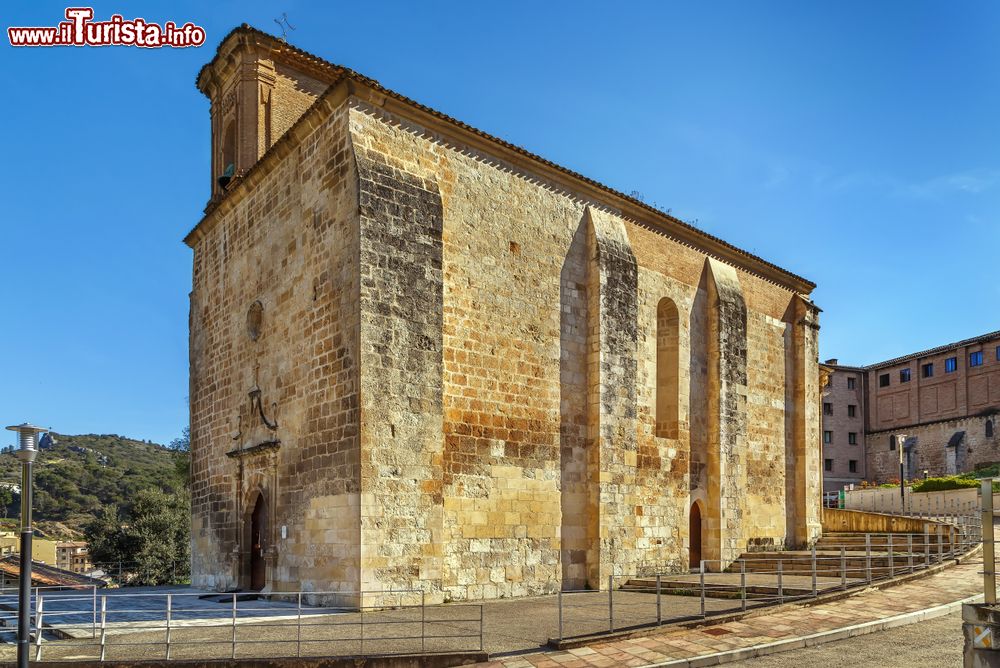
[{"x": 690, "y": 233}]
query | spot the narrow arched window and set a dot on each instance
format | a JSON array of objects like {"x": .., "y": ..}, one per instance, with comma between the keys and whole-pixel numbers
[
  {"x": 989, "y": 429},
  {"x": 667, "y": 368},
  {"x": 227, "y": 168}
]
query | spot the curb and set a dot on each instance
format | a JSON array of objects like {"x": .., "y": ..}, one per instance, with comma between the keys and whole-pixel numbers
[{"x": 814, "y": 639}]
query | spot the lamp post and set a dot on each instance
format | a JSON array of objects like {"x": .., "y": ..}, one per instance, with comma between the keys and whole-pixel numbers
[
  {"x": 26, "y": 452},
  {"x": 900, "y": 441}
]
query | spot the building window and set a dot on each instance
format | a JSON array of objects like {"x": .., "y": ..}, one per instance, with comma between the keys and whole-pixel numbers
[
  {"x": 850, "y": 381},
  {"x": 667, "y": 368},
  {"x": 892, "y": 442},
  {"x": 827, "y": 464},
  {"x": 883, "y": 380},
  {"x": 852, "y": 438},
  {"x": 852, "y": 465},
  {"x": 998, "y": 354},
  {"x": 976, "y": 358},
  {"x": 927, "y": 370},
  {"x": 827, "y": 408},
  {"x": 828, "y": 437},
  {"x": 904, "y": 375},
  {"x": 989, "y": 429},
  {"x": 951, "y": 365},
  {"x": 852, "y": 410}
]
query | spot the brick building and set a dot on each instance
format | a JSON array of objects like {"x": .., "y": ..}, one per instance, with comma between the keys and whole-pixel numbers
[
  {"x": 843, "y": 426},
  {"x": 422, "y": 357},
  {"x": 945, "y": 401}
]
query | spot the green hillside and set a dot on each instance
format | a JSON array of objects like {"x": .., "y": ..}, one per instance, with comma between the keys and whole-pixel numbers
[{"x": 76, "y": 475}]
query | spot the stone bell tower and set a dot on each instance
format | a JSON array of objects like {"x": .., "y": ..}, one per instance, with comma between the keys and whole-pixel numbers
[{"x": 256, "y": 95}]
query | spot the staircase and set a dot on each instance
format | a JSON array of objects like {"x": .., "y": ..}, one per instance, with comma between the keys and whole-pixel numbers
[{"x": 841, "y": 558}]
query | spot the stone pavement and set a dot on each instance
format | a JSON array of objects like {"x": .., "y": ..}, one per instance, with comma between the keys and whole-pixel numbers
[{"x": 684, "y": 645}]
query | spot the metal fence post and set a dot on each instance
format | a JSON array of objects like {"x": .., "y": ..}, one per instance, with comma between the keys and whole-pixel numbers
[
  {"x": 892, "y": 557},
  {"x": 170, "y": 606},
  {"x": 843, "y": 567},
  {"x": 93, "y": 607},
  {"x": 480, "y": 627},
  {"x": 611, "y": 602},
  {"x": 361, "y": 607},
  {"x": 813, "y": 553},
  {"x": 868, "y": 558},
  {"x": 743, "y": 585},
  {"x": 909, "y": 552},
  {"x": 234, "y": 625},
  {"x": 423, "y": 621},
  {"x": 940, "y": 542},
  {"x": 560, "y": 614},
  {"x": 781, "y": 589},
  {"x": 104, "y": 625},
  {"x": 989, "y": 556},
  {"x": 659, "y": 612},
  {"x": 927, "y": 546},
  {"x": 298, "y": 626},
  {"x": 39, "y": 613},
  {"x": 701, "y": 580}
]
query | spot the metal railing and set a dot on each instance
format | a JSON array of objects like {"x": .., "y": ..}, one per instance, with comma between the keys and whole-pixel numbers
[
  {"x": 761, "y": 579},
  {"x": 93, "y": 626}
]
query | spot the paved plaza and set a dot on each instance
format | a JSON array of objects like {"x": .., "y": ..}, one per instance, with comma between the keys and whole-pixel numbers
[
  {"x": 791, "y": 627},
  {"x": 514, "y": 631}
]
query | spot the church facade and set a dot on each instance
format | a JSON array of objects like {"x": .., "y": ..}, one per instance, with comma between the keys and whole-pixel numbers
[{"x": 424, "y": 358}]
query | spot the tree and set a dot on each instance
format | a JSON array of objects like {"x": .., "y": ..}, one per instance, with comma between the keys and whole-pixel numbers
[
  {"x": 182, "y": 456},
  {"x": 183, "y": 442},
  {"x": 6, "y": 498},
  {"x": 151, "y": 541}
]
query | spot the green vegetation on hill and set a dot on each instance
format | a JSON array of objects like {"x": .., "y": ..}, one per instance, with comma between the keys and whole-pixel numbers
[{"x": 76, "y": 476}]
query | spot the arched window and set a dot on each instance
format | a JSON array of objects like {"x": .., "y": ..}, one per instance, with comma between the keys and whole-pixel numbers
[
  {"x": 228, "y": 166},
  {"x": 989, "y": 429},
  {"x": 667, "y": 368}
]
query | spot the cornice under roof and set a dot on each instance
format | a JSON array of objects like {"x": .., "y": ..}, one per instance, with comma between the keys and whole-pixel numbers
[{"x": 934, "y": 351}]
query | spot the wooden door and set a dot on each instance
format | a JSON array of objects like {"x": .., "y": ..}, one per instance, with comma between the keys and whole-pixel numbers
[
  {"x": 258, "y": 533},
  {"x": 694, "y": 537}
]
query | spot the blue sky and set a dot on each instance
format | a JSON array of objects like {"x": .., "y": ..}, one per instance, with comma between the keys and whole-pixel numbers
[{"x": 854, "y": 143}]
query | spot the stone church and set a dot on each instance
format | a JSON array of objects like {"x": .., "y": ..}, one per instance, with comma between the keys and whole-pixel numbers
[{"x": 422, "y": 357}]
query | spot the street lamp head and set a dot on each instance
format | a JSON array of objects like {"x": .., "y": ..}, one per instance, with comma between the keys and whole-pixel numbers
[{"x": 27, "y": 441}]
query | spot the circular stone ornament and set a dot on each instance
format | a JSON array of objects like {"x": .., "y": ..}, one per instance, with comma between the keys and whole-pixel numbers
[{"x": 255, "y": 319}]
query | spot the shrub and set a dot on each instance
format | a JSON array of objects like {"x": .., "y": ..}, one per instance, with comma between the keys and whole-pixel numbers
[{"x": 945, "y": 483}]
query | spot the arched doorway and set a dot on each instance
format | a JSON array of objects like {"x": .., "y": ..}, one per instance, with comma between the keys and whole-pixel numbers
[
  {"x": 694, "y": 537},
  {"x": 258, "y": 534}
]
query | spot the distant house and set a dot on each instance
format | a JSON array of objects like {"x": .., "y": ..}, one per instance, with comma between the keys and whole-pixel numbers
[
  {"x": 73, "y": 556},
  {"x": 42, "y": 550}
]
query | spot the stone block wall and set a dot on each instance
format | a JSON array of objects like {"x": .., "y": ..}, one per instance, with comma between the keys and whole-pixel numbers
[
  {"x": 290, "y": 243},
  {"x": 932, "y": 449}
]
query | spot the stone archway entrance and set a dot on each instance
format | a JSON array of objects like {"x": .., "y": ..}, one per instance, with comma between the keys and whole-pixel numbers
[
  {"x": 258, "y": 534},
  {"x": 694, "y": 537}
]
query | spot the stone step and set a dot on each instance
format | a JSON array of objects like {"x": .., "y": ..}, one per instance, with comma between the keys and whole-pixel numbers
[
  {"x": 714, "y": 589},
  {"x": 828, "y": 563},
  {"x": 879, "y": 542},
  {"x": 228, "y": 597}
]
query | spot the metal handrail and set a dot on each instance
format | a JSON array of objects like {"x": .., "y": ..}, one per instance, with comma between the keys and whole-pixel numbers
[
  {"x": 369, "y": 626},
  {"x": 831, "y": 567}
]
